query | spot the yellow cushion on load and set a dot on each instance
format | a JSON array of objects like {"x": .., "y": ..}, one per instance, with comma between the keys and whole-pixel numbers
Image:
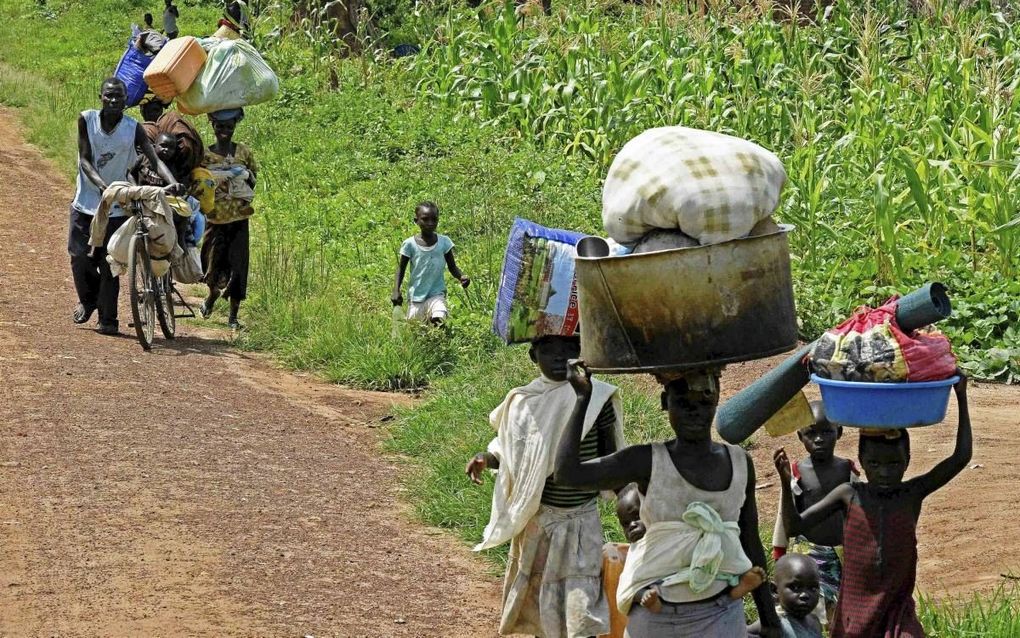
[{"x": 203, "y": 188}]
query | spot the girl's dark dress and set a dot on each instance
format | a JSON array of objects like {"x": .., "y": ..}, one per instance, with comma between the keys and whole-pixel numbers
[{"x": 876, "y": 598}]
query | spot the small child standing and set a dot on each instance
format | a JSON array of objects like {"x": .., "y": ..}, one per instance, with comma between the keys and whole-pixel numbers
[
  {"x": 814, "y": 477},
  {"x": 614, "y": 555},
  {"x": 880, "y": 535},
  {"x": 796, "y": 583},
  {"x": 428, "y": 253}
]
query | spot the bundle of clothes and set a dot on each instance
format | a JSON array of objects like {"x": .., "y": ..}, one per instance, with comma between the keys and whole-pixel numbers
[{"x": 678, "y": 187}]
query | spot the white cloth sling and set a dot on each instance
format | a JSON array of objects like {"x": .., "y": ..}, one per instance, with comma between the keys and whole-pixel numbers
[{"x": 692, "y": 546}]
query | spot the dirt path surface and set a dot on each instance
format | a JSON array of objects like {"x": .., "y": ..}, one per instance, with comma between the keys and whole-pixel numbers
[
  {"x": 194, "y": 490},
  {"x": 968, "y": 535}
]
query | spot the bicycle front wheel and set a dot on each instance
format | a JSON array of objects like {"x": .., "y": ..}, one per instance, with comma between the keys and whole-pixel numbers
[
  {"x": 165, "y": 306},
  {"x": 143, "y": 294}
]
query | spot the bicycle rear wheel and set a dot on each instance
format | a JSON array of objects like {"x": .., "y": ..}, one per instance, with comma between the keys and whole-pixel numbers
[
  {"x": 143, "y": 296},
  {"x": 165, "y": 306}
]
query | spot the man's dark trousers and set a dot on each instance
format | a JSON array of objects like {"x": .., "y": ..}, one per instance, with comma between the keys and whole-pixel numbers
[{"x": 93, "y": 281}]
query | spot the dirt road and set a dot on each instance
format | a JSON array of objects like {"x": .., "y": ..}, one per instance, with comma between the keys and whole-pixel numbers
[{"x": 194, "y": 490}]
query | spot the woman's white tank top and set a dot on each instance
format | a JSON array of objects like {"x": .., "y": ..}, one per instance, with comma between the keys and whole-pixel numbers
[{"x": 669, "y": 493}]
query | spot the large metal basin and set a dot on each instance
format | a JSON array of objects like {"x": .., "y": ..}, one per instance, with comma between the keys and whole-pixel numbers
[{"x": 687, "y": 307}]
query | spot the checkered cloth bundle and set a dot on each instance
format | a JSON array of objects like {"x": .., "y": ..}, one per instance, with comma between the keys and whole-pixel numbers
[{"x": 711, "y": 186}]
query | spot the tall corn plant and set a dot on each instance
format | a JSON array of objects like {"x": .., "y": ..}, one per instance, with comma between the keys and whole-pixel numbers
[{"x": 898, "y": 129}]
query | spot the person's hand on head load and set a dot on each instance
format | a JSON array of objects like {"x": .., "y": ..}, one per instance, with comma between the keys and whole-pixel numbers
[{"x": 579, "y": 377}]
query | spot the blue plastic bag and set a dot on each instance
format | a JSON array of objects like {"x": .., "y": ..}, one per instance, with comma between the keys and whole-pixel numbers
[
  {"x": 130, "y": 69},
  {"x": 537, "y": 291}
]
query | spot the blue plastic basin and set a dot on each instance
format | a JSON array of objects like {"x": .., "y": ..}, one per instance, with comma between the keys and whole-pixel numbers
[{"x": 885, "y": 405}]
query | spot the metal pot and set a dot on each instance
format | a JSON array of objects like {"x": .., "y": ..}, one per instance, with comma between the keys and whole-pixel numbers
[{"x": 687, "y": 307}]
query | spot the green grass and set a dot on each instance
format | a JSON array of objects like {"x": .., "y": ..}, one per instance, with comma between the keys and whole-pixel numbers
[
  {"x": 890, "y": 185},
  {"x": 997, "y": 614}
]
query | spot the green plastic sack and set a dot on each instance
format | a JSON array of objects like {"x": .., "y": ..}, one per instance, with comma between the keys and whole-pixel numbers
[{"x": 234, "y": 75}]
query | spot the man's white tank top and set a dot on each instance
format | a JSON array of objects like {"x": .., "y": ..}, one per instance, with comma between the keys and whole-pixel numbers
[{"x": 113, "y": 155}]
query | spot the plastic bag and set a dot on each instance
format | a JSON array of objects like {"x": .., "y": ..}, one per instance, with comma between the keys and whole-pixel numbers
[
  {"x": 537, "y": 289},
  {"x": 131, "y": 70},
  {"x": 187, "y": 266},
  {"x": 234, "y": 75},
  {"x": 870, "y": 346},
  {"x": 711, "y": 186}
]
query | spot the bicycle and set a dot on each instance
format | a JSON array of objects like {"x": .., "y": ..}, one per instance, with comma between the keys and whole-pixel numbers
[{"x": 152, "y": 297}]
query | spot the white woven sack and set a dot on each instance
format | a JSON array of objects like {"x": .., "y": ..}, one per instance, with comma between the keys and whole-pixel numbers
[
  {"x": 119, "y": 246},
  {"x": 711, "y": 186}
]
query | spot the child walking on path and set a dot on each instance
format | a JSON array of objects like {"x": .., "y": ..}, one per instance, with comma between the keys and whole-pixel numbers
[
  {"x": 429, "y": 254},
  {"x": 880, "y": 535},
  {"x": 797, "y": 589},
  {"x": 225, "y": 246},
  {"x": 813, "y": 478},
  {"x": 701, "y": 552},
  {"x": 553, "y": 585}
]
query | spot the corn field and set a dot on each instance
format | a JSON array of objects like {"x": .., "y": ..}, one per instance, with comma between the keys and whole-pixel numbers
[{"x": 895, "y": 131}]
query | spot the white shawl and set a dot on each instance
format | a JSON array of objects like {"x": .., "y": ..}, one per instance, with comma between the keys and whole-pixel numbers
[
  {"x": 699, "y": 551},
  {"x": 529, "y": 424}
]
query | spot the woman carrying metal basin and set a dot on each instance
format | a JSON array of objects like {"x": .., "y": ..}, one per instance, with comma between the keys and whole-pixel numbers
[{"x": 701, "y": 552}]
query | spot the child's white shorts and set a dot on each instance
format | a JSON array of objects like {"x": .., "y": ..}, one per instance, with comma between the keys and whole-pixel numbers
[{"x": 431, "y": 308}]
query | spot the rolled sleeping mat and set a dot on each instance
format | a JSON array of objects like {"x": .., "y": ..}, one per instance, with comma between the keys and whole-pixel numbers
[
  {"x": 749, "y": 409},
  {"x": 925, "y": 306}
]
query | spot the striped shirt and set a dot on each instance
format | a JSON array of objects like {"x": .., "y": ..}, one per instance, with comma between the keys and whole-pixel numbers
[{"x": 595, "y": 444}]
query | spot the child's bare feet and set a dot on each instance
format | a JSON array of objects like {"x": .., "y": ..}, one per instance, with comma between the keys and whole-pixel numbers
[
  {"x": 650, "y": 600},
  {"x": 749, "y": 581}
]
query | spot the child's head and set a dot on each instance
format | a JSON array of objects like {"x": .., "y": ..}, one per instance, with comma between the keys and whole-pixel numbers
[
  {"x": 426, "y": 217},
  {"x": 148, "y": 19},
  {"x": 628, "y": 510},
  {"x": 796, "y": 581},
  {"x": 151, "y": 107},
  {"x": 166, "y": 146},
  {"x": 884, "y": 455},
  {"x": 820, "y": 437},
  {"x": 551, "y": 354},
  {"x": 113, "y": 95},
  {"x": 691, "y": 402},
  {"x": 225, "y": 122}
]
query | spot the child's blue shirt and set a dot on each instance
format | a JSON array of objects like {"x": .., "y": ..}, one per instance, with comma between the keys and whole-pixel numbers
[{"x": 428, "y": 267}]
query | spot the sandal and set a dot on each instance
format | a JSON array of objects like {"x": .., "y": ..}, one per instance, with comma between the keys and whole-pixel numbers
[{"x": 82, "y": 313}]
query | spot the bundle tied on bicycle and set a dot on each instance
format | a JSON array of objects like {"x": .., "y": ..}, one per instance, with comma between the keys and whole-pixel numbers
[{"x": 156, "y": 212}]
